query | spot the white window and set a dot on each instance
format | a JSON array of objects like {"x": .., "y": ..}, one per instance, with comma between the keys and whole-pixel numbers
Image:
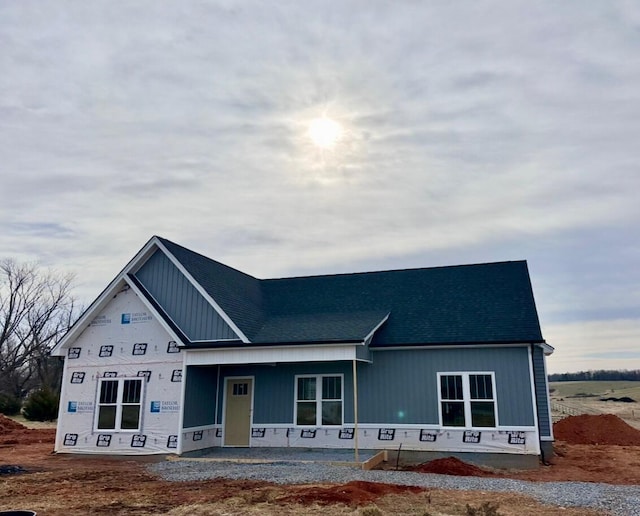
[
  {"x": 319, "y": 400},
  {"x": 467, "y": 400},
  {"x": 119, "y": 404}
]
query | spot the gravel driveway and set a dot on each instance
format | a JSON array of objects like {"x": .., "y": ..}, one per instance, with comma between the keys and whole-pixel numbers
[{"x": 619, "y": 500}]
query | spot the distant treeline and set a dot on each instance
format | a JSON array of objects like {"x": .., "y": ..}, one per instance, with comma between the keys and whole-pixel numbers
[{"x": 602, "y": 375}]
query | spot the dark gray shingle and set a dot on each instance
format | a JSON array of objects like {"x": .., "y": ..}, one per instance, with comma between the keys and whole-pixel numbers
[{"x": 483, "y": 303}]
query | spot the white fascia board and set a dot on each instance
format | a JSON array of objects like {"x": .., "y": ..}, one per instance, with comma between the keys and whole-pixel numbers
[
  {"x": 548, "y": 350},
  {"x": 101, "y": 301},
  {"x": 203, "y": 293},
  {"x": 270, "y": 354}
]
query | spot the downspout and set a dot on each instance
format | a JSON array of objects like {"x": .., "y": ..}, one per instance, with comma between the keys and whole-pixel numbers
[{"x": 355, "y": 411}]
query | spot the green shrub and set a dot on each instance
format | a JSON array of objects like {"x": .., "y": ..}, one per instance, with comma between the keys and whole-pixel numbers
[
  {"x": 9, "y": 406},
  {"x": 41, "y": 405}
]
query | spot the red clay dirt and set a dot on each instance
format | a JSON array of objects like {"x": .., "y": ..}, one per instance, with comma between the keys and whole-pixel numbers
[
  {"x": 589, "y": 448},
  {"x": 355, "y": 493},
  {"x": 452, "y": 466},
  {"x": 68, "y": 485},
  {"x": 600, "y": 429},
  {"x": 12, "y": 432}
]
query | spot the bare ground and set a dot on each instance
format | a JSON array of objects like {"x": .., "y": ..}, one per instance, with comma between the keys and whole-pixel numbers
[{"x": 72, "y": 485}]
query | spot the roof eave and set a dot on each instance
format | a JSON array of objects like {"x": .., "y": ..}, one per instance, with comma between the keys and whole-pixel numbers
[
  {"x": 240, "y": 344},
  {"x": 457, "y": 343}
]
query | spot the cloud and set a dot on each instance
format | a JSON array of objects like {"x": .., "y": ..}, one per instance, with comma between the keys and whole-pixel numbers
[
  {"x": 473, "y": 132},
  {"x": 593, "y": 345}
]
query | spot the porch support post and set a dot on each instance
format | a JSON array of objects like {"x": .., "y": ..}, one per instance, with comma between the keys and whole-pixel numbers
[
  {"x": 215, "y": 417},
  {"x": 355, "y": 411}
]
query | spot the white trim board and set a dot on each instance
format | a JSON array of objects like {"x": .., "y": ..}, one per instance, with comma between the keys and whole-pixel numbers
[{"x": 270, "y": 355}]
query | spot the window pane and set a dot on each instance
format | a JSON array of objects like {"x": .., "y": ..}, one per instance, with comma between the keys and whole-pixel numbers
[
  {"x": 306, "y": 388},
  {"x": 109, "y": 391},
  {"x": 306, "y": 413},
  {"x": 107, "y": 417},
  {"x": 240, "y": 389},
  {"x": 131, "y": 392},
  {"x": 481, "y": 387},
  {"x": 482, "y": 413},
  {"x": 331, "y": 388},
  {"x": 331, "y": 412},
  {"x": 452, "y": 413},
  {"x": 451, "y": 387},
  {"x": 130, "y": 417}
]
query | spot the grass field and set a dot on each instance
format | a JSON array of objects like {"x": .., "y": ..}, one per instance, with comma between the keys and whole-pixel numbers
[
  {"x": 616, "y": 389},
  {"x": 573, "y": 398}
]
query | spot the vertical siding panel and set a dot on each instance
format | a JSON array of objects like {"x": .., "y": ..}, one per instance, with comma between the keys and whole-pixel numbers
[
  {"x": 184, "y": 304},
  {"x": 199, "y": 403},
  {"x": 274, "y": 388},
  {"x": 401, "y": 386},
  {"x": 541, "y": 391}
]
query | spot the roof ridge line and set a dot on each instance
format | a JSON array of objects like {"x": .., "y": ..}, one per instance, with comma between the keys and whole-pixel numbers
[{"x": 384, "y": 271}]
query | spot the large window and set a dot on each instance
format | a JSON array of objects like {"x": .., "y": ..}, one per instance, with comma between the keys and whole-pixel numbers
[
  {"x": 318, "y": 400},
  {"x": 467, "y": 399},
  {"x": 119, "y": 404}
]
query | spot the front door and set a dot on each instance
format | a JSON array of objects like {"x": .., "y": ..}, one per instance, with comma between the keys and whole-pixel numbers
[{"x": 237, "y": 414}]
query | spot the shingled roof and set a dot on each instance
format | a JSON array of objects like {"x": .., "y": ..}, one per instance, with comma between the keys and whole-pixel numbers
[{"x": 465, "y": 304}]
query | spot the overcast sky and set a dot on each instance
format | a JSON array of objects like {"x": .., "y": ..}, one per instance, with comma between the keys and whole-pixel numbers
[{"x": 473, "y": 132}]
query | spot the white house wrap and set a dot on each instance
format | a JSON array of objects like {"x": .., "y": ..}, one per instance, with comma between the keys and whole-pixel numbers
[{"x": 122, "y": 342}]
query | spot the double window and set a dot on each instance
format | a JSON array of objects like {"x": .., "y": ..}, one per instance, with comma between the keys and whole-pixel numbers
[
  {"x": 119, "y": 404},
  {"x": 319, "y": 400},
  {"x": 467, "y": 400}
]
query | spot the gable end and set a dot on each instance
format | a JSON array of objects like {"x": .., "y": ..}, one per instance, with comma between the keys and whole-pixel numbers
[{"x": 181, "y": 301}]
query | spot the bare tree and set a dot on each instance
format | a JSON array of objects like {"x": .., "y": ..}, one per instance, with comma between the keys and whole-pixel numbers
[{"x": 36, "y": 309}]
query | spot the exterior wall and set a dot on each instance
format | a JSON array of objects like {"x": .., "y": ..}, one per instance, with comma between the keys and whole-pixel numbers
[
  {"x": 400, "y": 387},
  {"x": 200, "y": 397},
  {"x": 398, "y": 402},
  {"x": 112, "y": 347},
  {"x": 274, "y": 388},
  {"x": 363, "y": 353},
  {"x": 180, "y": 299},
  {"x": 542, "y": 399}
]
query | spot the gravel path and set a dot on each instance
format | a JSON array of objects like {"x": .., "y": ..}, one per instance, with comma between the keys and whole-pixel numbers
[{"x": 619, "y": 500}]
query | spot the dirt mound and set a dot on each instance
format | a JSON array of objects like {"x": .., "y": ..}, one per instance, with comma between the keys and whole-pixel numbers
[
  {"x": 600, "y": 429},
  {"x": 355, "y": 493},
  {"x": 13, "y": 433},
  {"x": 451, "y": 466},
  {"x": 9, "y": 425}
]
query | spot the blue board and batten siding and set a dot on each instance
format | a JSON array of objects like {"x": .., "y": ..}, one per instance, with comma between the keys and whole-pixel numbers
[
  {"x": 542, "y": 400},
  {"x": 182, "y": 302},
  {"x": 200, "y": 402},
  {"x": 399, "y": 387}
]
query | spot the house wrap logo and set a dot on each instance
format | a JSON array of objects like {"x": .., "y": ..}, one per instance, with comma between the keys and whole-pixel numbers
[
  {"x": 135, "y": 318},
  {"x": 70, "y": 439},
  {"x": 80, "y": 407},
  {"x": 164, "y": 406},
  {"x": 101, "y": 320}
]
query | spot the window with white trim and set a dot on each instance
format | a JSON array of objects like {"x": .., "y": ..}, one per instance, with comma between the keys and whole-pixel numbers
[
  {"x": 319, "y": 400},
  {"x": 119, "y": 404},
  {"x": 467, "y": 400}
]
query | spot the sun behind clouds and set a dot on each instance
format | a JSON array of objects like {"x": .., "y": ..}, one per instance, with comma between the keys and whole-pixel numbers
[{"x": 325, "y": 132}]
